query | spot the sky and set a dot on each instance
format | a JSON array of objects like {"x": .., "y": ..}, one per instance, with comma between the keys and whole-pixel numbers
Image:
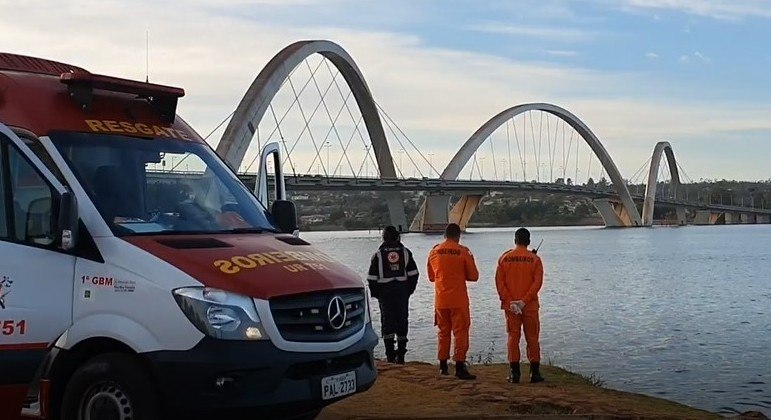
[{"x": 692, "y": 72}]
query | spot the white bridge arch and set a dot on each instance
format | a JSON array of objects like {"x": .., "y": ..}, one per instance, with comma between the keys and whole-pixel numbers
[
  {"x": 662, "y": 148},
  {"x": 250, "y": 111},
  {"x": 624, "y": 213},
  {"x": 238, "y": 135}
]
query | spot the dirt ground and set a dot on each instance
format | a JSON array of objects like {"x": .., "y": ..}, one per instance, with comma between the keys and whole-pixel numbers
[{"x": 415, "y": 391}]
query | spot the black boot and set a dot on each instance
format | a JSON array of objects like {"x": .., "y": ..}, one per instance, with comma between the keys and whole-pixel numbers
[
  {"x": 390, "y": 349},
  {"x": 402, "y": 350},
  {"x": 461, "y": 372},
  {"x": 535, "y": 373},
  {"x": 443, "y": 368},
  {"x": 515, "y": 372}
]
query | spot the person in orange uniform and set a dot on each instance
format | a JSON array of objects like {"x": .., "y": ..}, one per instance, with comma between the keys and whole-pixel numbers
[
  {"x": 450, "y": 266},
  {"x": 519, "y": 278}
]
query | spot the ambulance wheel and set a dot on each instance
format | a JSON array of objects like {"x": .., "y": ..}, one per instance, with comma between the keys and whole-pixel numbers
[{"x": 112, "y": 386}]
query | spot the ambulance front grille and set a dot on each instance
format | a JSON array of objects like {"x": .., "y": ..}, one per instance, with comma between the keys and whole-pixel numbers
[{"x": 304, "y": 317}]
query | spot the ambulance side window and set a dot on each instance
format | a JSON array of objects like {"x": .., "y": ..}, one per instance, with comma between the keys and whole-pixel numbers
[
  {"x": 3, "y": 197},
  {"x": 31, "y": 200},
  {"x": 37, "y": 148}
]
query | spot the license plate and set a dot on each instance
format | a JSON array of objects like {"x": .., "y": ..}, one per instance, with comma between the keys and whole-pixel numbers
[{"x": 338, "y": 385}]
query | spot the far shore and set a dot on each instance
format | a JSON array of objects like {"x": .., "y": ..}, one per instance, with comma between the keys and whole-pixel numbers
[{"x": 582, "y": 223}]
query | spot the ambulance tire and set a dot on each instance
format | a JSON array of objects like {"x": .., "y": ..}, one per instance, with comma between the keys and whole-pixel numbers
[{"x": 116, "y": 383}]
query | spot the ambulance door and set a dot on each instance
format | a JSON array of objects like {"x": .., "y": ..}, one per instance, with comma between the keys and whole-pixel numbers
[
  {"x": 36, "y": 275},
  {"x": 271, "y": 150}
]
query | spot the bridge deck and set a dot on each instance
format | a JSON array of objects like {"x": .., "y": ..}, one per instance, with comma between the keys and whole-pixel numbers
[{"x": 440, "y": 186}]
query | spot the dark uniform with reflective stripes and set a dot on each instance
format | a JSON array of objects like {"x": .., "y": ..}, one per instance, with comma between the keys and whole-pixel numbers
[{"x": 393, "y": 276}]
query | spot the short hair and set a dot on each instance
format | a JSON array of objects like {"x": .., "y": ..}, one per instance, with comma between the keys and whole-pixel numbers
[
  {"x": 390, "y": 234},
  {"x": 522, "y": 237},
  {"x": 452, "y": 231}
]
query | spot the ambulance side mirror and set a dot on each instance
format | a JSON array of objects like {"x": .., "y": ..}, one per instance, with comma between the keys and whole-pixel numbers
[
  {"x": 285, "y": 215},
  {"x": 68, "y": 221}
]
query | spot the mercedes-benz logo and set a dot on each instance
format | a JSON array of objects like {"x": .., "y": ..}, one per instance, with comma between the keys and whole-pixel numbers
[{"x": 336, "y": 313}]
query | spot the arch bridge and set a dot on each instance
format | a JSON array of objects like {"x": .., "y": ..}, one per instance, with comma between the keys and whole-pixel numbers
[
  {"x": 617, "y": 205},
  {"x": 242, "y": 127}
]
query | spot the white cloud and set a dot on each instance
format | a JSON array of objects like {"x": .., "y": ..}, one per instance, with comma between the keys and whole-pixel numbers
[
  {"x": 542, "y": 32},
  {"x": 251, "y": 3},
  {"x": 696, "y": 56},
  {"x": 718, "y": 9},
  {"x": 651, "y": 56},
  {"x": 701, "y": 57},
  {"x": 562, "y": 53},
  {"x": 438, "y": 96}
]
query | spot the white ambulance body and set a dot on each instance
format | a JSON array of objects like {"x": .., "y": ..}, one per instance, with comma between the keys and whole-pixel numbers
[{"x": 131, "y": 289}]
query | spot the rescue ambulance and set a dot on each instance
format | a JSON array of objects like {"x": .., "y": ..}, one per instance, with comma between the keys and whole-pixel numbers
[{"x": 132, "y": 290}]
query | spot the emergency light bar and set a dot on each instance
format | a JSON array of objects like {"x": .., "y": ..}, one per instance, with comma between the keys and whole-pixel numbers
[{"x": 81, "y": 87}]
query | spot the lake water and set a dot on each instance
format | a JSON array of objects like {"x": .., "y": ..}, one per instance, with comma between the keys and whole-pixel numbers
[{"x": 680, "y": 313}]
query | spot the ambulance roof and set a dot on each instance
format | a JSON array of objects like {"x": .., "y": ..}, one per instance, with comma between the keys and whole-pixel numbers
[{"x": 43, "y": 96}]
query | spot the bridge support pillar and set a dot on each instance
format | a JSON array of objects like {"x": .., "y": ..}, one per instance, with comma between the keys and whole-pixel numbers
[
  {"x": 708, "y": 217},
  {"x": 747, "y": 219},
  {"x": 463, "y": 210},
  {"x": 762, "y": 218},
  {"x": 704, "y": 217},
  {"x": 613, "y": 213},
  {"x": 680, "y": 213},
  {"x": 396, "y": 210},
  {"x": 433, "y": 215}
]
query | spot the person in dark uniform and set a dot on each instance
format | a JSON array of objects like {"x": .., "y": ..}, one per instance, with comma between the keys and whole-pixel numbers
[{"x": 393, "y": 276}]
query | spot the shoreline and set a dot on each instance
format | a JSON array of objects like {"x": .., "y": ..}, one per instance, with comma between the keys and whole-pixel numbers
[
  {"x": 587, "y": 223},
  {"x": 415, "y": 390}
]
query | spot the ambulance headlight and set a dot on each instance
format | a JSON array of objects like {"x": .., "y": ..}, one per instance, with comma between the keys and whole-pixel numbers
[
  {"x": 222, "y": 318},
  {"x": 220, "y": 314}
]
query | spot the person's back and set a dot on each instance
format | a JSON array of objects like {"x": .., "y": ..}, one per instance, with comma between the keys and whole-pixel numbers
[
  {"x": 451, "y": 265},
  {"x": 521, "y": 272},
  {"x": 518, "y": 278},
  {"x": 393, "y": 276}
]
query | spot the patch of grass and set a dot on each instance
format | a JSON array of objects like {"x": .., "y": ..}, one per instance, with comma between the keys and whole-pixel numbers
[
  {"x": 485, "y": 358},
  {"x": 540, "y": 409},
  {"x": 595, "y": 380}
]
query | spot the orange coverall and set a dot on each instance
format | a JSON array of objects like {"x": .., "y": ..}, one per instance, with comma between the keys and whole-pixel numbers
[
  {"x": 450, "y": 266},
  {"x": 519, "y": 276}
]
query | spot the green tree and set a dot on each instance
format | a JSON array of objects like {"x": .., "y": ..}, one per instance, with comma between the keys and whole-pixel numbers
[{"x": 336, "y": 215}]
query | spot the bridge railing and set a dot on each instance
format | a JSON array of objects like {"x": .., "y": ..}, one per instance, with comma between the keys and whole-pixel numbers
[{"x": 318, "y": 182}]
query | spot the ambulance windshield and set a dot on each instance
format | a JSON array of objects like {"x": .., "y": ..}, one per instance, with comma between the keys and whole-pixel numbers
[{"x": 160, "y": 186}]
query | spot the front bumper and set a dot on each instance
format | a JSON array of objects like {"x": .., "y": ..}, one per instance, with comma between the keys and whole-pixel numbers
[{"x": 265, "y": 379}]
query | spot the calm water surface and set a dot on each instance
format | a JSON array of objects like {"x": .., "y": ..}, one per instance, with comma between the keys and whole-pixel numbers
[{"x": 680, "y": 313}]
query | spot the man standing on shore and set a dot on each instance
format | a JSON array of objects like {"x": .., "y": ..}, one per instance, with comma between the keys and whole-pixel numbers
[
  {"x": 392, "y": 277},
  {"x": 519, "y": 278},
  {"x": 450, "y": 266}
]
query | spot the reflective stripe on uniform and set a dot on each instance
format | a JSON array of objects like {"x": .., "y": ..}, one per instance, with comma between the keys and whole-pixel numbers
[
  {"x": 379, "y": 256},
  {"x": 390, "y": 279}
]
